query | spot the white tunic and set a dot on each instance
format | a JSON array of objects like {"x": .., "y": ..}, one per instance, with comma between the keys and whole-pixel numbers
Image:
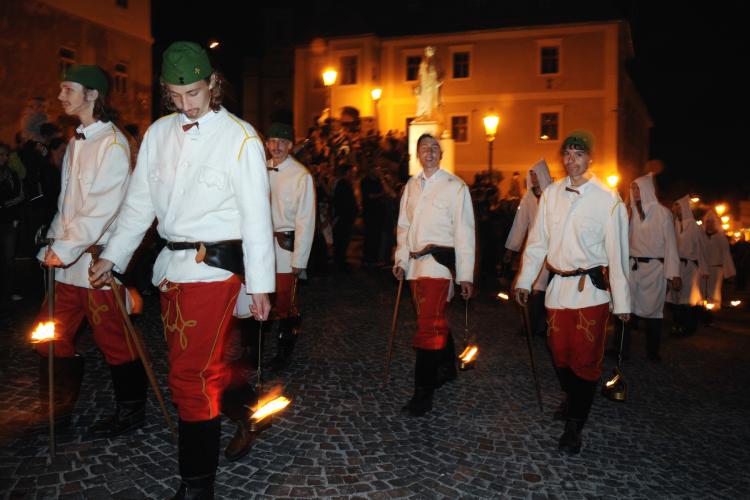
[
  {"x": 651, "y": 237},
  {"x": 292, "y": 209},
  {"x": 691, "y": 245},
  {"x": 206, "y": 184},
  {"x": 438, "y": 211},
  {"x": 525, "y": 216},
  {"x": 579, "y": 231},
  {"x": 95, "y": 175},
  {"x": 719, "y": 261}
]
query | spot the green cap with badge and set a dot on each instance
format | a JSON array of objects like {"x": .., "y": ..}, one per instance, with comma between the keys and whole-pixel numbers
[
  {"x": 281, "y": 131},
  {"x": 88, "y": 75},
  {"x": 580, "y": 139},
  {"x": 184, "y": 63}
]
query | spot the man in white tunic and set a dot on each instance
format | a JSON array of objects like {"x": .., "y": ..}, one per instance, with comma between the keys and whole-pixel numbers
[
  {"x": 718, "y": 258},
  {"x": 582, "y": 229},
  {"x": 691, "y": 247},
  {"x": 201, "y": 172},
  {"x": 654, "y": 261},
  {"x": 435, "y": 245},
  {"x": 95, "y": 175},
  {"x": 537, "y": 179}
]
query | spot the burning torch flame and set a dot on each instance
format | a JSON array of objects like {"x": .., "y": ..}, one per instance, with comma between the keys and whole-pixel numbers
[
  {"x": 44, "y": 332},
  {"x": 469, "y": 354},
  {"x": 503, "y": 296},
  {"x": 735, "y": 303},
  {"x": 613, "y": 381},
  {"x": 708, "y": 305},
  {"x": 270, "y": 407}
]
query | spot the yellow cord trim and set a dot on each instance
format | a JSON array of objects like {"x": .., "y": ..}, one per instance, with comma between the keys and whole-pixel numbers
[
  {"x": 179, "y": 323},
  {"x": 247, "y": 136},
  {"x": 96, "y": 310},
  {"x": 114, "y": 135},
  {"x": 615, "y": 206},
  {"x": 227, "y": 311}
]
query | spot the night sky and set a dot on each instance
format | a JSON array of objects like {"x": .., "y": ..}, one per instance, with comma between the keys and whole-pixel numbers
[{"x": 688, "y": 66}]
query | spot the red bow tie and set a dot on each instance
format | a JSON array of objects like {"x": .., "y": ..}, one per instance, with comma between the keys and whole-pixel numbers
[
  {"x": 80, "y": 136},
  {"x": 188, "y": 126},
  {"x": 572, "y": 190}
]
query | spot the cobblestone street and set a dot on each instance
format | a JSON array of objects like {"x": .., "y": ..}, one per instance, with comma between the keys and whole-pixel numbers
[{"x": 683, "y": 432}]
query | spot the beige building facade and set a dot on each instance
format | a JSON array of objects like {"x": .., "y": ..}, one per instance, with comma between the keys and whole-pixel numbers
[
  {"x": 41, "y": 37},
  {"x": 541, "y": 81}
]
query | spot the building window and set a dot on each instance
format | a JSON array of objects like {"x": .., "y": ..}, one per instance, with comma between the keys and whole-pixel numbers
[
  {"x": 460, "y": 128},
  {"x": 460, "y": 65},
  {"x": 549, "y": 57},
  {"x": 67, "y": 59},
  {"x": 123, "y": 4},
  {"x": 549, "y": 126},
  {"x": 412, "y": 68},
  {"x": 121, "y": 78},
  {"x": 348, "y": 70}
]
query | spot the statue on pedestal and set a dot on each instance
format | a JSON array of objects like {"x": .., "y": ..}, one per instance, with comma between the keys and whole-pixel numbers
[{"x": 428, "y": 89}]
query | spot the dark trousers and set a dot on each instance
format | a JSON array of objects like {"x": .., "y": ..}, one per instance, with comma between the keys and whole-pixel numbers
[{"x": 342, "y": 235}]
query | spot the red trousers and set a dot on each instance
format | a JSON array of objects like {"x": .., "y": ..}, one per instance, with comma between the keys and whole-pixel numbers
[
  {"x": 430, "y": 296},
  {"x": 283, "y": 299},
  {"x": 576, "y": 338},
  {"x": 196, "y": 318},
  {"x": 72, "y": 304}
]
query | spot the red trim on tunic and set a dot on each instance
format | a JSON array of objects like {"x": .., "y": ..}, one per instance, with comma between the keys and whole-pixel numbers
[
  {"x": 282, "y": 300},
  {"x": 72, "y": 305},
  {"x": 430, "y": 296},
  {"x": 577, "y": 337},
  {"x": 197, "y": 317}
]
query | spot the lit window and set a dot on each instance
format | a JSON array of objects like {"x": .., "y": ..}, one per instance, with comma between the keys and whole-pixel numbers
[
  {"x": 549, "y": 126},
  {"x": 121, "y": 78},
  {"x": 412, "y": 68},
  {"x": 460, "y": 128},
  {"x": 460, "y": 65},
  {"x": 348, "y": 70},
  {"x": 67, "y": 59}
]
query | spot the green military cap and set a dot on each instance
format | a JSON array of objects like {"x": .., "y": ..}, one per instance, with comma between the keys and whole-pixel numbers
[
  {"x": 88, "y": 75},
  {"x": 580, "y": 138},
  {"x": 281, "y": 131},
  {"x": 184, "y": 63}
]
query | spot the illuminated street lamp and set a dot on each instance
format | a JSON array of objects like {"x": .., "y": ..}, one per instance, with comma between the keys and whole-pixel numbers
[
  {"x": 724, "y": 219},
  {"x": 695, "y": 199},
  {"x": 491, "y": 121},
  {"x": 329, "y": 78},
  {"x": 375, "y": 94},
  {"x": 612, "y": 180},
  {"x": 720, "y": 209}
]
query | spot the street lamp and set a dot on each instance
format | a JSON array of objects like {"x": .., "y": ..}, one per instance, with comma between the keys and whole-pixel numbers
[
  {"x": 491, "y": 122},
  {"x": 329, "y": 78},
  {"x": 375, "y": 94}
]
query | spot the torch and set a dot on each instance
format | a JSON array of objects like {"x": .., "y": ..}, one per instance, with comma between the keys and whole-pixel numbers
[
  {"x": 273, "y": 402},
  {"x": 527, "y": 328},
  {"x": 394, "y": 324},
  {"x": 615, "y": 389},
  {"x": 469, "y": 355}
]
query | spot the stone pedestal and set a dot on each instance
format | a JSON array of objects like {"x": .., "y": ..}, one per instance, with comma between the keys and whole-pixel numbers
[
  {"x": 416, "y": 129},
  {"x": 448, "y": 163}
]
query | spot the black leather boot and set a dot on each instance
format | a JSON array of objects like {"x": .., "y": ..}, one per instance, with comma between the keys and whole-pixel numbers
[
  {"x": 129, "y": 383},
  {"x": 235, "y": 403},
  {"x": 198, "y": 445},
  {"x": 653, "y": 339},
  {"x": 563, "y": 376},
  {"x": 67, "y": 387},
  {"x": 286, "y": 340},
  {"x": 570, "y": 441},
  {"x": 445, "y": 363},
  {"x": 420, "y": 403},
  {"x": 249, "y": 332},
  {"x": 580, "y": 399},
  {"x": 424, "y": 383}
]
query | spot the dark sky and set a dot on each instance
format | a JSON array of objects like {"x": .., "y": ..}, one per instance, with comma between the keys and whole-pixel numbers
[{"x": 688, "y": 66}]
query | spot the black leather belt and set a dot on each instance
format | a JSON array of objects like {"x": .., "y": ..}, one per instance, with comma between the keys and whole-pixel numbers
[
  {"x": 183, "y": 245},
  {"x": 598, "y": 275},
  {"x": 227, "y": 254},
  {"x": 636, "y": 260},
  {"x": 445, "y": 256}
]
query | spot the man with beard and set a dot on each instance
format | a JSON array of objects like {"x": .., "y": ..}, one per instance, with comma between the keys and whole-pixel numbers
[
  {"x": 201, "y": 172},
  {"x": 537, "y": 180},
  {"x": 435, "y": 246},
  {"x": 654, "y": 261},
  {"x": 691, "y": 247},
  {"x": 581, "y": 228}
]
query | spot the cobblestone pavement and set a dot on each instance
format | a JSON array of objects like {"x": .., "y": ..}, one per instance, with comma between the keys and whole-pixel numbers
[{"x": 683, "y": 433}]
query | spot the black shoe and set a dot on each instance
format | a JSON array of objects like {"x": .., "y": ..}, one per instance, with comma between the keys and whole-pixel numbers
[
  {"x": 570, "y": 441},
  {"x": 420, "y": 403},
  {"x": 561, "y": 413},
  {"x": 187, "y": 492},
  {"x": 241, "y": 442},
  {"x": 128, "y": 416}
]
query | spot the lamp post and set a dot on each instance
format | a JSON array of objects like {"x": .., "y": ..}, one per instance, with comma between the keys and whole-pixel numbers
[
  {"x": 329, "y": 78},
  {"x": 491, "y": 121},
  {"x": 375, "y": 94}
]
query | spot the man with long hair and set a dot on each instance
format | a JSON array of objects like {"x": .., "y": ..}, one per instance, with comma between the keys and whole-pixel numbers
[
  {"x": 201, "y": 172},
  {"x": 95, "y": 176}
]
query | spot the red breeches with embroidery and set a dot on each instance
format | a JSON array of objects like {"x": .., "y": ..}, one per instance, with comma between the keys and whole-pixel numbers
[
  {"x": 72, "y": 305},
  {"x": 282, "y": 301},
  {"x": 196, "y": 318},
  {"x": 576, "y": 338},
  {"x": 430, "y": 296}
]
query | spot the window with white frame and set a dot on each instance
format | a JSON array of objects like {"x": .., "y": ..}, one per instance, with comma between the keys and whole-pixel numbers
[
  {"x": 121, "y": 78},
  {"x": 461, "y": 64},
  {"x": 549, "y": 57},
  {"x": 349, "y": 67},
  {"x": 67, "y": 59},
  {"x": 460, "y": 128}
]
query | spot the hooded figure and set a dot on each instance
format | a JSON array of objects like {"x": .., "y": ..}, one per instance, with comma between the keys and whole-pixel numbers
[
  {"x": 718, "y": 258},
  {"x": 653, "y": 258},
  {"x": 521, "y": 224}
]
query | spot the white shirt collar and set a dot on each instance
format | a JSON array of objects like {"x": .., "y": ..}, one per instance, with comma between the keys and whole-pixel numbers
[
  {"x": 92, "y": 129},
  {"x": 205, "y": 122}
]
